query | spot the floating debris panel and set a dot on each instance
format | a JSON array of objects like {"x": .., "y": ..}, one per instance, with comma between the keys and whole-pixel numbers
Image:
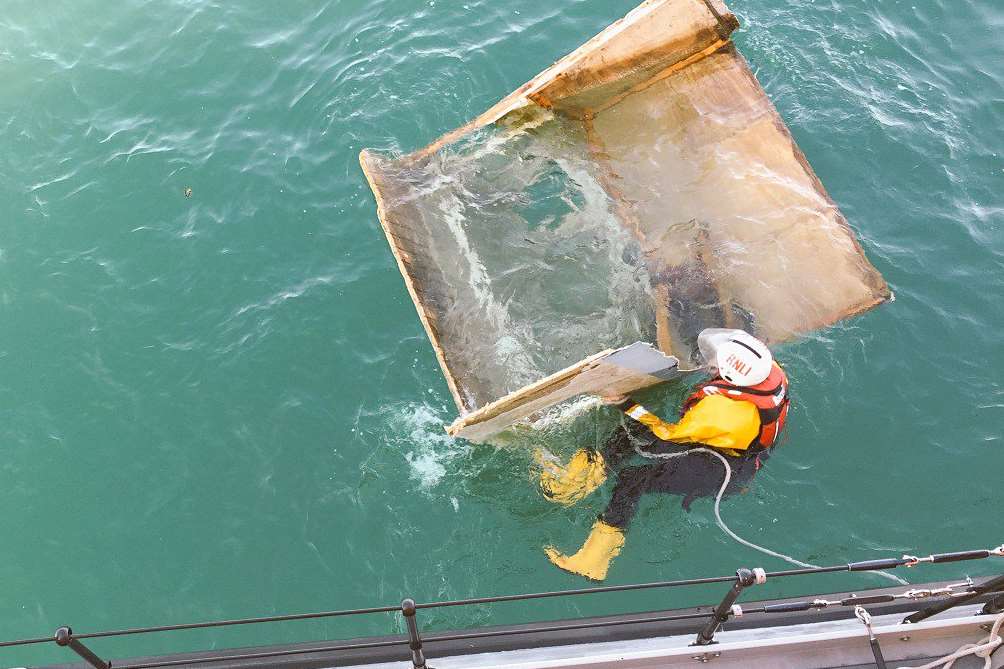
[{"x": 642, "y": 188}]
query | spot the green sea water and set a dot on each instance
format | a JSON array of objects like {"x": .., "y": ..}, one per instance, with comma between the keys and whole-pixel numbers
[{"x": 224, "y": 405}]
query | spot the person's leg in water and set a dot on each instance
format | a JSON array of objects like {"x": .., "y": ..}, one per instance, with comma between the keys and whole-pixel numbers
[
  {"x": 588, "y": 468},
  {"x": 605, "y": 540},
  {"x": 691, "y": 476}
]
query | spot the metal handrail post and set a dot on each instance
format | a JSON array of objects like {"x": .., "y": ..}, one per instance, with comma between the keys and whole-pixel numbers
[
  {"x": 744, "y": 579},
  {"x": 64, "y": 637},
  {"x": 408, "y": 610}
]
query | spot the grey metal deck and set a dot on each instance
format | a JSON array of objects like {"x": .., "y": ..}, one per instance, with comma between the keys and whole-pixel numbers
[{"x": 820, "y": 645}]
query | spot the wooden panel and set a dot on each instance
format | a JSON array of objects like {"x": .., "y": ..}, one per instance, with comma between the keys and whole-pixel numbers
[
  {"x": 736, "y": 230},
  {"x": 384, "y": 190},
  {"x": 610, "y": 372},
  {"x": 722, "y": 199},
  {"x": 652, "y": 37}
]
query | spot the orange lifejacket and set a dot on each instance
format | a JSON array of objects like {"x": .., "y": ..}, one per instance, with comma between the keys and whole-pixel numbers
[{"x": 770, "y": 398}]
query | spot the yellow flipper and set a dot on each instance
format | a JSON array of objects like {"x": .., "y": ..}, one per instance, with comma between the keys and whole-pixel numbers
[
  {"x": 584, "y": 473},
  {"x": 603, "y": 544}
]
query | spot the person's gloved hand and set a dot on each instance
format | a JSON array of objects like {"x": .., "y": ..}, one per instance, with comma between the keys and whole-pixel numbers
[{"x": 613, "y": 400}]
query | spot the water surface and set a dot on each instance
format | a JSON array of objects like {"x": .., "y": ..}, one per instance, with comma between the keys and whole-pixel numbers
[{"x": 224, "y": 405}]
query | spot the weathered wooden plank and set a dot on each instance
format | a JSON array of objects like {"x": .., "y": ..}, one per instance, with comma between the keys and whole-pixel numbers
[
  {"x": 372, "y": 169},
  {"x": 735, "y": 228},
  {"x": 609, "y": 372}
]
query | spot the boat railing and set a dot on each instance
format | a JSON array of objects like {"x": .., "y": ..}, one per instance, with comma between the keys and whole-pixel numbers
[{"x": 950, "y": 595}]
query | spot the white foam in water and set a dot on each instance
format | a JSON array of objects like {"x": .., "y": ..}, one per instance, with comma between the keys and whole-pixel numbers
[
  {"x": 426, "y": 467},
  {"x": 514, "y": 353},
  {"x": 543, "y": 273},
  {"x": 563, "y": 414},
  {"x": 432, "y": 448}
]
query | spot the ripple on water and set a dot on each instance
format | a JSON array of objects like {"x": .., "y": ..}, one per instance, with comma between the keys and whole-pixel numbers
[{"x": 243, "y": 370}]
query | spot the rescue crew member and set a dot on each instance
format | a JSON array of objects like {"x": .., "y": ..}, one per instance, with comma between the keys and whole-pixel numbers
[{"x": 740, "y": 412}]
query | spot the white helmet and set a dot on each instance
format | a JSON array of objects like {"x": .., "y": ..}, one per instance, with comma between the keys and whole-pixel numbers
[{"x": 737, "y": 356}]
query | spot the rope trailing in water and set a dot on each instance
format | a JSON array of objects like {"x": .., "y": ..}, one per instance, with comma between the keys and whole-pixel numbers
[
  {"x": 718, "y": 511},
  {"x": 984, "y": 648}
]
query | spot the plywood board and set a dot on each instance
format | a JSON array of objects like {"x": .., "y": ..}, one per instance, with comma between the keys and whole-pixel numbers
[
  {"x": 715, "y": 184},
  {"x": 674, "y": 183},
  {"x": 610, "y": 372}
]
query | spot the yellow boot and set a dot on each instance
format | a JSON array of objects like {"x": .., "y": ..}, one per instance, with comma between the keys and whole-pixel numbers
[
  {"x": 603, "y": 544},
  {"x": 584, "y": 473}
]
